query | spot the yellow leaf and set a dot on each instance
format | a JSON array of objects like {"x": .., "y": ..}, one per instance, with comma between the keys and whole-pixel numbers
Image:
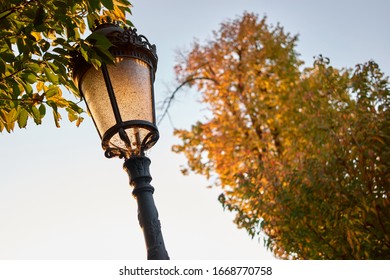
[
  {"x": 36, "y": 35},
  {"x": 52, "y": 34},
  {"x": 40, "y": 86}
]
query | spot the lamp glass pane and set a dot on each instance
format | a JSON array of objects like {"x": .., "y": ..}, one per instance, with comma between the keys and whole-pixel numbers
[
  {"x": 95, "y": 94},
  {"x": 136, "y": 136},
  {"x": 133, "y": 90}
]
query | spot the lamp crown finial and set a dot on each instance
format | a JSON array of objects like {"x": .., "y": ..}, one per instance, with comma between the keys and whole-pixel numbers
[{"x": 107, "y": 22}]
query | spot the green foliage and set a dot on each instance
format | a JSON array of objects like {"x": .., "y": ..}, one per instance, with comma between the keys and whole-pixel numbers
[
  {"x": 37, "y": 39},
  {"x": 300, "y": 155}
]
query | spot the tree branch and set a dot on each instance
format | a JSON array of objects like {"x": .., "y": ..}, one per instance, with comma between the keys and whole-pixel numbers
[
  {"x": 24, "y": 101},
  {"x": 11, "y": 10},
  {"x": 11, "y": 75},
  {"x": 168, "y": 101}
]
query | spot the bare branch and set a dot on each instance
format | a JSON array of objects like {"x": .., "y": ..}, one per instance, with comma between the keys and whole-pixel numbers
[{"x": 168, "y": 101}]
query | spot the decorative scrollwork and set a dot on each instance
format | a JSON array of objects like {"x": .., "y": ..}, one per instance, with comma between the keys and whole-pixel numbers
[
  {"x": 124, "y": 37},
  {"x": 130, "y": 36}
]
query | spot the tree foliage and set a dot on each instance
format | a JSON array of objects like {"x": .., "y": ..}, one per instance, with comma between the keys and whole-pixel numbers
[
  {"x": 37, "y": 39},
  {"x": 302, "y": 155}
]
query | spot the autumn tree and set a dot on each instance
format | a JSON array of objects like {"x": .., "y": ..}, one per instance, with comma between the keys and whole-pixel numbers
[
  {"x": 301, "y": 155},
  {"x": 37, "y": 40}
]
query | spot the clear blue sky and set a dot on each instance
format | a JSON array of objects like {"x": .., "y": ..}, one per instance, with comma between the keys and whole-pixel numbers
[{"x": 60, "y": 198}]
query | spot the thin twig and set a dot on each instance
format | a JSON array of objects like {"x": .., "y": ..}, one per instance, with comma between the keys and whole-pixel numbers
[
  {"x": 24, "y": 101},
  {"x": 12, "y": 74},
  {"x": 168, "y": 101}
]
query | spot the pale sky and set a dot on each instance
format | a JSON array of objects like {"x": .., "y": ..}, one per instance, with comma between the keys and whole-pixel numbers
[{"x": 60, "y": 198}]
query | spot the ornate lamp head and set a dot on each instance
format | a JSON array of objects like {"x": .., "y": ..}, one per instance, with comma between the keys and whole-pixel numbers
[{"x": 120, "y": 97}]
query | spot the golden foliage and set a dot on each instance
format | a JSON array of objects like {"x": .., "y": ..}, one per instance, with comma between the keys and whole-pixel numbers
[{"x": 301, "y": 155}]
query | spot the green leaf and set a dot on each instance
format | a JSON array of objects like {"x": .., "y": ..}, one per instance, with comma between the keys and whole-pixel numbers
[
  {"x": 29, "y": 77},
  {"x": 36, "y": 114},
  {"x": 42, "y": 110},
  {"x": 34, "y": 67},
  {"x": 96, "y": 63},
  {"x": 99, "y": 41},
  {"x": 53, "y": 66},
  {"x": 51, "y": 92},
  {"x": 13, "y": 115},
  {"x": 16, "y": 90},
  {"x": 27, "y": 87},
  {"x": 39, "y": 16},
  {"x": 75, "y": 107},
  {"x": 60, "y": 69},
  {"x": 2, "y": 66},
  {"x": 60, "y": 51},
  {"x": 76, "y": 33},
  {"x": 108, "y": 4},
  {"x": 52, "y": 104},
  {"x": 71, "y": 115},
  {"x": 5, "y": 13},
  {"x": 61, "y": 5},
  {"x": 50, "y": 75},
  {"x": 57, "y": 118},
  {"x": 44, "y": 45},
  {"x": 60, "y": 41},
  {"x": 84, "y": 52},
  {"x": 94, "y": 5},
  {"x": 105, "y": 55},
  {"x": 8, "y": 57},
  {"x": 22, "y": 119},
  {"x": 21, "y": 45}
]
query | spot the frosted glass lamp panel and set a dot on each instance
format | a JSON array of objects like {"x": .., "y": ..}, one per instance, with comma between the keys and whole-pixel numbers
[
  {"x": 96, "y": 96},
  {"x": 133, "y": 89},
  {"x": 136, "y": 136},
  {"x": 117, "y": 142}
]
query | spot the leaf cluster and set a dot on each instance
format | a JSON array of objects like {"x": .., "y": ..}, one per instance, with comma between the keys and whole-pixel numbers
[
  {"x": 301, "y": 155},
  {"x": 38, "y": 38}
]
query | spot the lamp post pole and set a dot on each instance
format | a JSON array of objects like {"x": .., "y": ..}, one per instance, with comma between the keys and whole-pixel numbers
[
  {"x": 120, "y": 98},
  {"x": 138, "y": 169}
]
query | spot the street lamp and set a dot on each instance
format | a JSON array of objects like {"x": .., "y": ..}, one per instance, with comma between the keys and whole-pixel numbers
[{"x": 120, "y": 99}]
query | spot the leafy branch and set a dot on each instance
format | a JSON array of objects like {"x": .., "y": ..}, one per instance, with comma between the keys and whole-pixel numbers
[
  {"x": 5, "y": 13},
  {"x": 37, "y": 38}
]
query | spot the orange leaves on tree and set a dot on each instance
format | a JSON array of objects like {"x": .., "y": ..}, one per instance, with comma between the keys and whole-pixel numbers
[{"x": 301, "y": 155}]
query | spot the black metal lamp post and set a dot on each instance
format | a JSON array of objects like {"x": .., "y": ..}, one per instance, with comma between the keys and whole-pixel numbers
[{"x": 120, "y": 98}]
